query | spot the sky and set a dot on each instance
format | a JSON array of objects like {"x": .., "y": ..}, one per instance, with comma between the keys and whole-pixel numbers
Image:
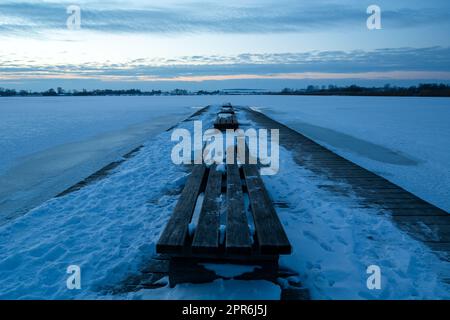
[{"x": 258, "y": 44}]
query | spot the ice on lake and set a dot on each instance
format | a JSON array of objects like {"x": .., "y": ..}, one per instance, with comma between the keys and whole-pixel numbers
[{"x": 50, "y": 143}]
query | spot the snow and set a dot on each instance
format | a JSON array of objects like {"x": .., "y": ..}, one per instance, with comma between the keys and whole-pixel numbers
[
  {"x": 229, "y": 270},
  {"x": 196, "y": 215},
  {"x": 224, "y": 115},
  {"x": 404, "y": 139},
  {"x": 222, "y": 229},
  {"x": 217, "y": 290},
  {"x": 109, "y": 228},
  {"x": 334, "y": 242}
]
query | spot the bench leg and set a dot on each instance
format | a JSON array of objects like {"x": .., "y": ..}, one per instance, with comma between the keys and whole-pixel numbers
[
  {"x": 191, "y": 270},
  {"x": 185, "y": 270}
]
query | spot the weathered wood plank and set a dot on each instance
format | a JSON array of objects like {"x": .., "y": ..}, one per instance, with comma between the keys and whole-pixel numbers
[
  {"x": 173, "y": 238},
  {"x": 373, "y": 190},
  {"x": 206, "y": 237},
  {"x": 355, "y": 174},
  {"x": 429, "y": 233},
  {"x": 381, "y": 200},
  {"x": 425, "y": 219},
  {"x": 237, "y": 231},
  {"x": 386, "y": 204},
  {"x": 432, "y": 211},
  {"x": 269, "y": 232}
]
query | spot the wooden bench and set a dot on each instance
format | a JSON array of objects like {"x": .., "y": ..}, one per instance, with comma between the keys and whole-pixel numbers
[
  {"x": 236, "y": 219},
  {"x": 226, "y": 120},
  {"x": 224, "y": 211},
  {"x": 269, "y": 239}
]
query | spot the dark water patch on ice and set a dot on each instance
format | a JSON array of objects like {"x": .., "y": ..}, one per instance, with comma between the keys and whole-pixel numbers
[
  {"x": 100, "y": 174},
  {"x": 69, "y": 167},
  {"x": 346, "y": 142},
  {"x": 45, "y": 174}
]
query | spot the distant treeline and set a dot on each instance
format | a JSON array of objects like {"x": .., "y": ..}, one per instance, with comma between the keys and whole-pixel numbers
[
  {"x": 422, "y": 90},
  {"x": 105, "y": 92}
]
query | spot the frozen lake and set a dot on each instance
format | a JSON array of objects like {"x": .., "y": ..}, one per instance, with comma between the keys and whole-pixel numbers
[{"x": 48, "y": 144}]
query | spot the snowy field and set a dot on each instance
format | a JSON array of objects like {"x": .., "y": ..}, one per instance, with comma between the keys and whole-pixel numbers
[{"x": 110, "y": 227}]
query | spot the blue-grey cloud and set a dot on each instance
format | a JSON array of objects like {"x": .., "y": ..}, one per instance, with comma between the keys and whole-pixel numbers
[
  {"x": 280, "y": 16},
  {"x": 432, "y": 59}
]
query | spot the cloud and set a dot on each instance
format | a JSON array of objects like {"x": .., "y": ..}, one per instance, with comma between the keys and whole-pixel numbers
[
  {"x": 400, "y": 62},
  {"x": 195, "y": 17}
]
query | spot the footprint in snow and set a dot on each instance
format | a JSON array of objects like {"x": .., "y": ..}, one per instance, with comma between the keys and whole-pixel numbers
[
  {"x": 310, "y": 236},
  {"x": 326, "y": 247}
]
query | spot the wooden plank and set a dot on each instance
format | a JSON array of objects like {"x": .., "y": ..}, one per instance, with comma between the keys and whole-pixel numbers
[
  {"x": 430, "y": 233},
  {"x": 269, "y": 232},
  {"x": 369, "y": 184},
  {"x": 396, "y": 200},
  {"x": 355, "y": 174},
  {"x": 385, "y": 198},
  {"x": 432, "y": 211},
  {"x": 440, "y": 247},
  {"x": 374, "y": 190},
  {"x": 402, "y": 204},
  {"x": 425, "y": 219},
  {"x": 206, "y": 238},
  {"x": 173, "y": 238},
  {"x": 237, "y": 231},
  {"x": 325, "y": 165}
]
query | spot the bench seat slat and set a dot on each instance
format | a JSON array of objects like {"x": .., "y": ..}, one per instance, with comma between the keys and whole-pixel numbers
[
  {"x": 270, "y": 234},
  {"x": 206, "y": 238},
  {"x": 237, "y": 231},
  {"x": 173, "y": 238}
]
